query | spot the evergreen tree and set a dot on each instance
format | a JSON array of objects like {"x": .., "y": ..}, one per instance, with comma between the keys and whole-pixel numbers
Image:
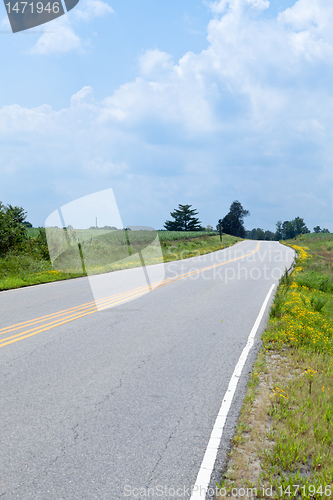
[
  {"x": 233, "y": 222},
  {"x": 278, "y": 234},
  {"x": 184, "y": 220}
]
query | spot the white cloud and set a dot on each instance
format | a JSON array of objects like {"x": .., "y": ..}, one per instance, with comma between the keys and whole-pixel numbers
[
  {"x": 154, "y": 64},
  {"x": 307, "y": 44},
  {"x": 100, "y": 166},
  {"x": 307, "y": 14},
  {"x": 5, "y": 23},
  {"x": 178, "y": 100},
  {"x": 219, "y": 7},
  {"x": 248, "y": 118},
  {"x": 16, "y": 119},
  {"x": 258, "y": 4},
  {"x": 251, "y": 64},
  {"x": 85, "y": 97},
  {"x": 63, "y": 39},
  {"x": 89, "y": 9}
]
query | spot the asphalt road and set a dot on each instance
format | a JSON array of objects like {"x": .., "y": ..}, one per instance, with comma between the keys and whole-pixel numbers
[{"x": 100, "y": 404}]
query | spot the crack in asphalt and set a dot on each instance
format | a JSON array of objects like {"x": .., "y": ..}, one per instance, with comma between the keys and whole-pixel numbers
[
  {"x": 86, "y": 418},
  {"x": 107, "y": 397},
  {"x": 89, "y": 416},
  {"x": 10, "y": 491},
  {"x": 26, "y": 356},
  {"x": 166, "y": 446}
]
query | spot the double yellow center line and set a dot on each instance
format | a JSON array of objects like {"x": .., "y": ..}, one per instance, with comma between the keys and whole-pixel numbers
[{"x": 32, "y": 327}]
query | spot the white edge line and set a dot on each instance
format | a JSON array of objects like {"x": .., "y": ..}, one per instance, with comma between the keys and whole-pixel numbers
[{"x": 203, "y": 479}]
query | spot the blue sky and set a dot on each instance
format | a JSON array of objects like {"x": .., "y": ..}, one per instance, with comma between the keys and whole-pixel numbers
[{"x": 172, "y": 102}]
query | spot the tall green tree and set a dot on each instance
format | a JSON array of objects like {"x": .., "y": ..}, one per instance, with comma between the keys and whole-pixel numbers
[
  {"x": 251, "y": 235},
  {"x": 12, "y": 230},
  {"x": 299, "y": 225},
  {"x": 184, "y": 219},
  {"x": 257, "y": 234},
  {"x": 318, "y": 229},
  {"x": 290, "y": 229},
  {"x": 233, "y": 222},
  {"x": 269, "y": 236},
  {"x": 278, "y": 233}
]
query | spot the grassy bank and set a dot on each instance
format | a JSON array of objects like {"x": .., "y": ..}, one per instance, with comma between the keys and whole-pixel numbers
[
  {"x": 192, "y": 247},
  {"x": 283, "y": 445},
  {"x": 30, "y": 264}
]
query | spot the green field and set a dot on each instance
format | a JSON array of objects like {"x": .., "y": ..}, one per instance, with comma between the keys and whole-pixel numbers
[{"x": 76, "y": 253}]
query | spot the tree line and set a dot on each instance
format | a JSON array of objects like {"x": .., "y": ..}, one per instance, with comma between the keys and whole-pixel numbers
[
  {"x": 185, "y": 219},
  {"x": 284, "y": 230},
  {"x": 13, "y": 225},
  {"x": 233, "y": 223}
]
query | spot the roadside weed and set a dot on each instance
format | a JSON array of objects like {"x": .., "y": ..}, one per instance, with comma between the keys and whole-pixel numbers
[
  {"x": 284, "y": 439},
  {"x": 317, "y": 303}
]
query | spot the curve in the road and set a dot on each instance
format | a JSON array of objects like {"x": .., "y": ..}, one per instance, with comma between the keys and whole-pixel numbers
[{"x": 67, "y": 315}]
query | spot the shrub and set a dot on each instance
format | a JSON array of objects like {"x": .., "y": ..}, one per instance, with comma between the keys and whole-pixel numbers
[{"x": 12, "y": 231}]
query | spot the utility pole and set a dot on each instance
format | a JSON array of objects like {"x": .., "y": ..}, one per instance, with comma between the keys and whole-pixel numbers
[
  {"x": 96, "y": 222},
  {"x": 220, "y": 231}
]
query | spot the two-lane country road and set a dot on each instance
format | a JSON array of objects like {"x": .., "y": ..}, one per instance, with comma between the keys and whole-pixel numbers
[{"x": 121, "y": 402}]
